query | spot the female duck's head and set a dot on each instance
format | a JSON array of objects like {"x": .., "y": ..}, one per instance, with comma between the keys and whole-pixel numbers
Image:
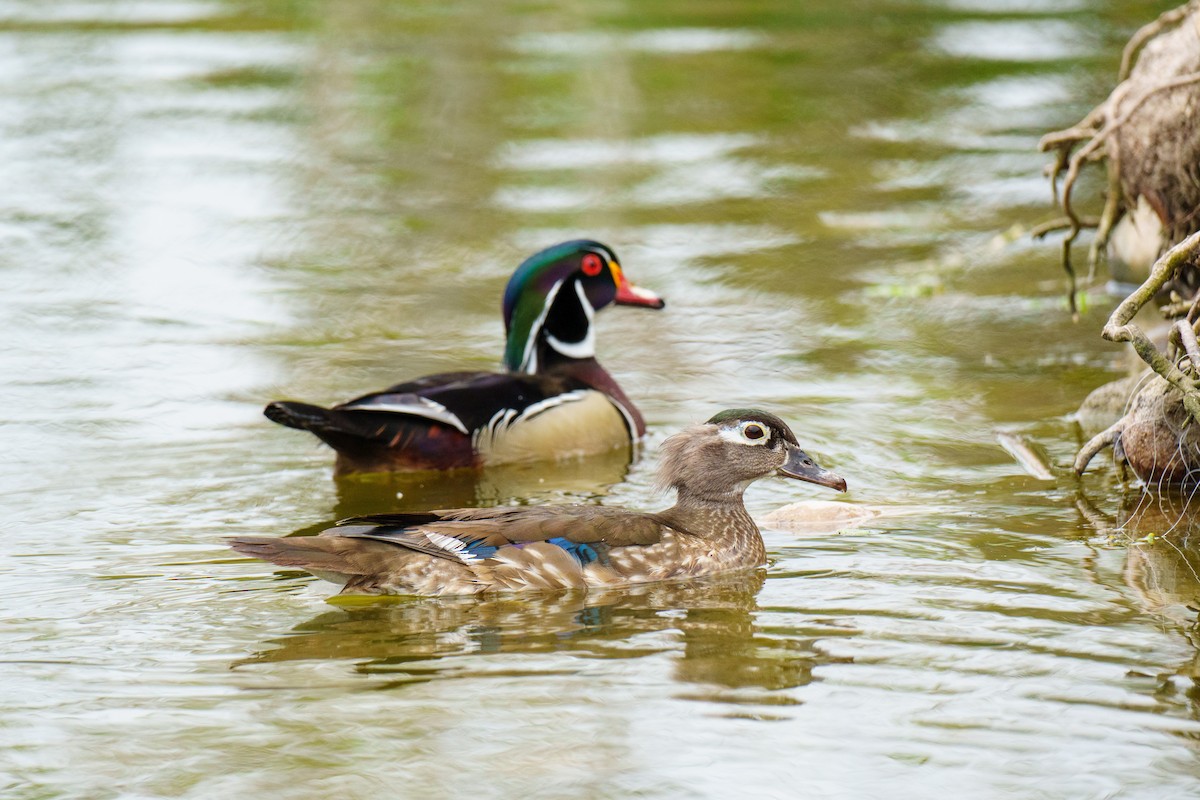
[
  {"x": 719, "y": 459},
  {"x": 551, "y": 299}
]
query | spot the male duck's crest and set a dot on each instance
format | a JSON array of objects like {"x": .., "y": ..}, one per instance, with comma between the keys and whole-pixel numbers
[
  {"x": 474, "y": 550},
  {"x": 554, "y": 400},
  {"x": 551, "y": 299}
]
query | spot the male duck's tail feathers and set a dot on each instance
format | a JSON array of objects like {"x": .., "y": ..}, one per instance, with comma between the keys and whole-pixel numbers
[
  {"x": 342, "y": 430},
  {"x": 376, "y": 439},
  {"x": 301, "y": 416}
]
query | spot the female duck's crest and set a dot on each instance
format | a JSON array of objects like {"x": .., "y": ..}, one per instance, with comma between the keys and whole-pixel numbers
[{"x": 551, "y": 299}]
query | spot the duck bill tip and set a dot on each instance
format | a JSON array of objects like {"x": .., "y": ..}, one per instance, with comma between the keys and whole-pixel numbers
[
  {"x": 820, "y": 477},
  {"x": 803, "y": 468},
  {"x": 630, "y": 295}
]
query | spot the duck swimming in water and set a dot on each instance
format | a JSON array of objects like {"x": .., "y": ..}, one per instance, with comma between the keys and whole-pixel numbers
[
  {"x": 475, "y": 550},
  {"x": 553, "y": 399}
]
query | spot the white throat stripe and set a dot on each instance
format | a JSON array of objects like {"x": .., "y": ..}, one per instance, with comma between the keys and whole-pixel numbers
[{"x": 585, "y": 347}]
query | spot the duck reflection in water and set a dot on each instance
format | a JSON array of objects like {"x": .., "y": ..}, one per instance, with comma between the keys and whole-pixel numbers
[
  {"x": 719, "y": 642},
  {"x": 711, "y": 570},
  {"x": 580, "y": 479}
]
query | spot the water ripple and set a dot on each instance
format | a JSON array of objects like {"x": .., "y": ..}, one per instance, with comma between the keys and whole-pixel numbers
[{"x": 667, "y": 41}]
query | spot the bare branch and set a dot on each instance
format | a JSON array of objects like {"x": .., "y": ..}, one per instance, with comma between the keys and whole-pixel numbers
[
  {"x": 1061, "y": 224},
  {"x": 1105, "y": 438},
  {"x": 1184, "y": 336}
]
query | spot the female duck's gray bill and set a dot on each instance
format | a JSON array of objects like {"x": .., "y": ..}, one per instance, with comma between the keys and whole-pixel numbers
[{"x": 800, "y": 465}]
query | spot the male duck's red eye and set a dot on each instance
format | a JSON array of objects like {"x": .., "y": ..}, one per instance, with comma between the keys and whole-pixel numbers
[{"x": 592, "y": 265}]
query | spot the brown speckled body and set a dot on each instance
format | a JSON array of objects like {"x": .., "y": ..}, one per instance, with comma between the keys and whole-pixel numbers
[
  {"x": 719, "y": 537},
  {"x": 472, "y": 551}
]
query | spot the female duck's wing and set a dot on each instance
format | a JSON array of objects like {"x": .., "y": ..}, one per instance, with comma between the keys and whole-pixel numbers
[
  {"x": 472, "y": 550},
  {"x": 477, "y": 533}
]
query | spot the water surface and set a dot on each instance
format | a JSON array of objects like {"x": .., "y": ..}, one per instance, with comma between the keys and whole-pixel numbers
[{"x": 209, "y": 205}]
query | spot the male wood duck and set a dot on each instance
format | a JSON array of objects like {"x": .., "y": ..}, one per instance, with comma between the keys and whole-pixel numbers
[
  {"x": 553, "y": 400},
  {"x": 476, "y": 550}
]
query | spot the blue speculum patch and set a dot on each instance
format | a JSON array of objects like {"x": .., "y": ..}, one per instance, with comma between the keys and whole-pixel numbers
[{"x": 584, "y": 553}]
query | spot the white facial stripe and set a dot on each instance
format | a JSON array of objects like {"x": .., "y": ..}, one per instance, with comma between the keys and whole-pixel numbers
[
  {"x": 529, "y": 361},
  {"x": 738, "y": 435},
  {"x": 586, "y": 347}
]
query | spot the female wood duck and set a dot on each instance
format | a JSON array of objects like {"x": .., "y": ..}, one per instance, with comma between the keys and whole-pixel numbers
[
  {"x": 553, "y": 400},
  {"x": 475, "y": 550}
]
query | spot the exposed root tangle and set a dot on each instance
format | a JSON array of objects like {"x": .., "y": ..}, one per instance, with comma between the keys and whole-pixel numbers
[{"x": 1149, "y": 147}]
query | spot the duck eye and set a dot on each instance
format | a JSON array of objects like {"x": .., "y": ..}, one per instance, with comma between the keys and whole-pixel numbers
[
  {"x": 592, "y": 264},
  {"x": 754, "y": 432}
]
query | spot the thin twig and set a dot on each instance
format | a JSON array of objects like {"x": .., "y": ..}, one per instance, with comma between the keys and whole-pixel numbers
[
  {"x": 1108, "y": 218},
  {"x": 1066, "y": 262},
  {"x": 1184, "y": 336},
  {"x": 1175, "y": 310},
  {"x": 1086, "y": 128},
  {"x": 1061, "y": 224}
]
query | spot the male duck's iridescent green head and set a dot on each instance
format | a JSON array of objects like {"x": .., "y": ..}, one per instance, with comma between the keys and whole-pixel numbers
[{"x": 551, "y": 298}]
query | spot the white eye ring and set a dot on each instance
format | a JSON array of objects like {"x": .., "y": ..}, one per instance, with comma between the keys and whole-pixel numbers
[
  {"x": 742, "y": 433},
  {"x": 754, "y": 433}
]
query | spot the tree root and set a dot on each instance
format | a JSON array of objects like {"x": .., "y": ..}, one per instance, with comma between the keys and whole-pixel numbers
[
  {"x": 1120, "y": 327},
  {"x": 1092, "y": 138},
  {"x": 1179, "y": 367},
  {"x": 1145, "y": 134},
  {"x": 1106, "y": 438},
  {"x": 1168, "y": 19},
  {"x": 1183, "y": 335},
  {"x": 1108, "y": 218},
  {"x": 1076, "y": 147}
]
